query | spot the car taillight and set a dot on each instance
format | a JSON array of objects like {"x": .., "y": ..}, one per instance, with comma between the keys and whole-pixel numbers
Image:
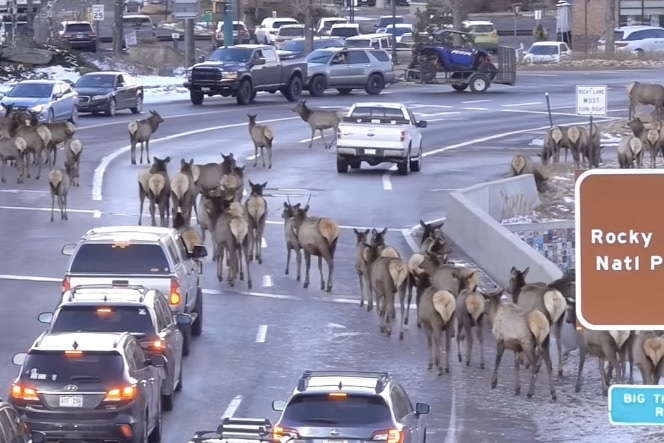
[
  {"x": 620, "y": 45},
  {"x": 67, "y": 34},
  {"x": 279, "y": 432},
  {"x": 388, "y": 435},
  {"x": 23, "y": 393},
  {"x": 66, "y": 285},
  {"x": 157, "y": 345},
  {"x": 90, "y": 34},
  {"x": 403, "y": 136},
  {"x": 175, "y": 297},
  {"x": 121, "y": 394}
]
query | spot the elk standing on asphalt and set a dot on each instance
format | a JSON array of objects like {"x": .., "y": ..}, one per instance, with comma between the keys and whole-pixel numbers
[
  {"x": 143, "y": 184},
  {"x": 73, "y": 150},
  {"x": 649, "y": 356},
  {"x": 59, "y": 182},
  {"x": 243, "y": 239},
  {"x": 256, "y": 209},
  {"x": 140, "y": 131},
  {"x": 60, "y": 132},
  {"x": 159, "y": 190},
  {"x": 183, "y": 190},
  {"x": 470, "y": 310},
  {"x": 36, "y": 139},
  {"x": 361, "y": 244},
  {"x": 208, "y": 176},
  {"x": 645, "y": 94},
  {"x": 223, "y": 238},
  {"x": 189, "y": 235},
  {"x": 317, "y": 236},
  {"x": 319, "y": 120},
  {"x": 292, "y": 242},
  {"x": 629, "y": 150},
  {"x": 12, "y": 149},
  {"x": 554, "y": 141},
  {"x": 262, "y": 136},
  {"x": 234, "y": 183},
  {"x": 437, "y": 312}
]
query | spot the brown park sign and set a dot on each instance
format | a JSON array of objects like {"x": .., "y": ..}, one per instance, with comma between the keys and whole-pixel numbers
[{"x": 620, "y": 249}]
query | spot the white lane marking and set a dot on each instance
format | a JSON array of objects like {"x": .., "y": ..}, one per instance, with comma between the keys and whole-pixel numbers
[
  {"x": 532, "y": 74},
  {"x": 516, "y": 105},
  {"x": 18, "y": 191},
  {"x": 22, "y": 208},
  {"x": 438, "y": 113},
  {"x": 263, "y": 243},
  {"x": 306, "y": 140},
  {"x": 444, "y": 189},
  {"x": 232, "y": 407},
  {"x": 96, "y": 214},
  {"x": 260, "y": 335},
  {"x": 267, "y": 281},
  {"x": 251, "y": 157},
  {"x": 568, "y": 114},
  {"x": 475, "y": 101},
  {"x": 476, "y": 109},
  {"x": 30, "y": 278},
  {"x": 98, "y": 177},
  {"x": 387, "y": 184}
]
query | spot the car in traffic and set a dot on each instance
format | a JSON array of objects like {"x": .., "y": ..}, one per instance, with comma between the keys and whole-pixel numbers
[
  {"x": 13, "y": 429},
  {"x": 376, "y": 41},
  {"x": 397, "y": 30},
  {"x": 78, "y": 35},
  {"x": 153, "y": 257},
  {"x": 52, "y": 100},
  {"x": 142, "y": 312},
  {"x": 325, "y": 24},
  {"x": 287, "y": 33},
  {"x": 109, "y": 92},
  {"x": 385, "y": 20},
  {"x": 133, "y": 5},
  {"x": 295, "y": 48},
  {"x": 547, "y": 52},
  {"x": 350, "y": 406},
  {"x": 344, "y": 30},
  {"x": 484, "y": 34},
  {"x": 241, "y": 34},
  {"x": 380, "y": 133},
  {"x": 89, "y": 386},
  {"x": 638, "y": 39},
  {"x": 346, "y": 69},
  {"x": 142, "y": 25},
  {"x": 243, "y": 70},
  {"x": 266, "y": 32}
]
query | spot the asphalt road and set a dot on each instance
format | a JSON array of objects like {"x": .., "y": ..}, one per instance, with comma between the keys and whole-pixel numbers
[{"x": 256, "y": 343}]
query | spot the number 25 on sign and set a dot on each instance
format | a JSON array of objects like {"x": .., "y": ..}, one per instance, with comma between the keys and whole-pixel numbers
[
  {"x": 98, "y": 13},
  {"x": 619, "y": 250}
]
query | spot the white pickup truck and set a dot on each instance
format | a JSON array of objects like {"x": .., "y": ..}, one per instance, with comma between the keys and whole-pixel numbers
[{"x": 380, "y": 133}]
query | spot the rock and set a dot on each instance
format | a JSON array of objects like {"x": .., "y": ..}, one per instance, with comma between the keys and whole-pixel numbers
[{"x": 27, "y": 56}]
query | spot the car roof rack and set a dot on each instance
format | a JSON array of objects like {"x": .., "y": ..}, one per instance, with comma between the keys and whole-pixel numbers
[
  {"x": 253, "y": 430},
  {"x": 381, "y": 382},
  {"x": 137, "y": 288}
]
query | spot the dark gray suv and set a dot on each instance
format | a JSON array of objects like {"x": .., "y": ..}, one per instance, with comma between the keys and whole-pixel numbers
[{"x": 351, "y": 406}]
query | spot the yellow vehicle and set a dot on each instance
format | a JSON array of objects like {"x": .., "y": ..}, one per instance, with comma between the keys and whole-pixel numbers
[{"x": 484, "y": 33}]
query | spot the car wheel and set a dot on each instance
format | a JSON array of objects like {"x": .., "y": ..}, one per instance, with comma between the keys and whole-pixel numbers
[
  {"x": 112, "y": 108},
  {"x": 197, "y": 327},
  {"x": 342, "y": 166},
  {"x": 74, "y": 115},
  {"x": 375, "y": 84},
  {"x": 489, "y": 69},
  {"x": 355, "y": 164},
  {"x": 139, "y": 105},
  {"x": 50, "y": 118},
  {"x": 167, "y": 401},
  {"x": 243, "y": 94},
  {"x": 344, "y": 91},
  {"x": 402, "y": 168},
  {"x": 461, "y": 87},
  {"x": 196, "y": 97},
  {"x": 155, "y": 435},
  {"x": 416, "y": 165},
  {"x": 317, "y": 86},
  {"x": 639, "y": 53},
  {"x": 479, "y": 83},
  {"x": 186, "y": 340},
  {"x": 293, "y": 90}
]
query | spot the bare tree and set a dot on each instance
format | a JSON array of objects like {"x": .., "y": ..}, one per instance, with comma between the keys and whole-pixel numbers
[
  {"x": 610, "y": 25},
  {"x": 30, "y": 25},
  {"x": 118, "y": 31}
]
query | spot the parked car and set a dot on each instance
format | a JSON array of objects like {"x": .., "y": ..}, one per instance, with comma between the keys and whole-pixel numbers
[
  {"x": 295, "y": 48},
  {"x": 78, "y": 35},
  {"x": 266, "y": 32},
  {"x": 376, "y": 41},
  {"x": 397, "y": 30},
  {"x": 547, "y": 52},
  {"x": 484, "y": 34},
  {"x": 143, "y": 27},
  {"x": 241, "y": 34},
  {"x": 288, "y": 32},
  {"x": 385, "y": 20},
  {"x": 109, "y": 92},
  {"x": 345, "y": 30},
  {"x": 133, "y": 5},
  {"x": 13, "y": 429},
  {"x": 347, "y": 69},
  {"x": 637, "y": 39},
  {"x": 325, "y": 24},
  {"x": 53, "y": 100}
]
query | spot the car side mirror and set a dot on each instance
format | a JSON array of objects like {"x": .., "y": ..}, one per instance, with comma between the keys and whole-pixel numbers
[
  {"x": 198, "y": 251},
  {"x": 158, "y": 361},
  {"x": 37, "y": 437},
  {"x": 68, "y": 249},
  {"x": 422, "y": 124},
  {"x": 278, "y": 405},
  {"x": 45, "y": 317},
  {"x": 421, "y": 409},
  {"x": 183, "y": 319},
  {"x": 201, "y": 59},
  {"x": 259, "y": 61},
  {"x": 18, "y": 359},
  {"x": 57, "y": 96}
]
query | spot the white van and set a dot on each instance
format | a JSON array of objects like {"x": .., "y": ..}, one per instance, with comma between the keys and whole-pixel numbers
[{"x": 375, "y": 41}]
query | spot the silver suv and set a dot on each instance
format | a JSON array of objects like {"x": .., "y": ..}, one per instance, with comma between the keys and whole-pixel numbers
[
  {"x": 351, "y": 406},
  {"x": 153, "y": 257},
  {"x": 346, "y": 69}
]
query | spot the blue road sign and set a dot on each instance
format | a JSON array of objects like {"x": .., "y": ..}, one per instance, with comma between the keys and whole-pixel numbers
[{"x": 636, "y": 405}]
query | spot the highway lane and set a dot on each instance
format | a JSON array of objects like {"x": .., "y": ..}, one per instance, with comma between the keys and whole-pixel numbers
[{"x": 227, "y": 361}]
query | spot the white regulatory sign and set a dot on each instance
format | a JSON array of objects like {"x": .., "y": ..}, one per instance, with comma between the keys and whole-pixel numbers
[
  {"x": 98, "y": 13},
  {"x": 591, "y": 101}
]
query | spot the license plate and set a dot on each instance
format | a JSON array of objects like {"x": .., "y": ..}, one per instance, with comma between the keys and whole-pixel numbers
[
  {"x": 369, "y": 151},
  {"x": 335, "y": 441},
  {"x": 71, "y": 401},
  {"x": 205, "y": 89},
  {"x": 79, "y": 35}
]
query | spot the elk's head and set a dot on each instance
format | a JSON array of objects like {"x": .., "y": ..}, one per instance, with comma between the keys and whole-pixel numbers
[
  {"x": 257, "y": 188},
  {"x": 186, "y": 166},
  {"x": 493, "y": 297},
  {"x": 467, "y": 278},
  {"x": 439, "y": 248},
  {"x": 155, "y": 117},
  {"x": 301, "y": 106},
  {"x": 517, "y": 281},
  {"x": 378, "y": 238},
  {"x": 361, "y": 236},
  {"x": 289, "y": 210},
  {"x": 252, "y": 119},
  {"x": 431, "y": 230},
  {"x": 159, "y": 165},
  {"x": 228, "y": 163},
  {"x": 238, "y": 171}
]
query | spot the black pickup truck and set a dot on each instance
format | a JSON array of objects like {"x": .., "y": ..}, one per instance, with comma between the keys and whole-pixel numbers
[{"x": 242, "y": 71}]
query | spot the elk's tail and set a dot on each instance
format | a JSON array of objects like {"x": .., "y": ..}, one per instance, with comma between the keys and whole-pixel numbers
[
  {"x": 20, "y": 144},
  {"x": 156, "y": 184},
  {"x": 539, "y": 326},
  {"x": 195, "y": 173},
  {"x": 474, "y": 307},
  {"x": 556, "y": 134},
  {"x": 70, "y": 129},
  {"x": 389, "y": 252},
  {"x": 573, "y": 134},
  {"x": 518, "y": 164},
  {"x": 239, "y": 228},
  {"x": 45, "y": 134},
  {"x": 256, "y": 207},
  {"x": 620, "y": 337},
  {"x": 653, "y": 348},
  {"x": 555, "y": 304},
  {"x": 398, "y": 271},
  {"x": 329, "y": 229},
  {"x": 55, "y": 178},
  {"x": 75, "y": 146},
  {"x": 268, "y": 133},
  {"x": 133, "y": 127},
  {"x": 444, "y": 304},
  {"x": 635, "y": 145}
]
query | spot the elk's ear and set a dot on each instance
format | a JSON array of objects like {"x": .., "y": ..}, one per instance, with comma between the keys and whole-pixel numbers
[
  {"x": 183, "y": 162},
  {"x": 525, "y": 271},
  {"x": 367, "y": 232},
  {"x": 167, "y": 159},
  {"x": 374, "y": 232},
  {"x": 155, "y": 159},
  {"x": 514, "y": 271},
  {"x": 356, "y": 231},
  {"x": 251, "y": 184},
  {"x": 264, "y": 185},
  {"x": 424, "y": 225},
  {"x": 306, "y": 208},
  {"x": 286, "y": 206},
  {"x": 438, "y": 225},
  {"x": 539, "y": 154},
  {"x": 191, "y": 162},
  {"x": 384, "y": 231}
]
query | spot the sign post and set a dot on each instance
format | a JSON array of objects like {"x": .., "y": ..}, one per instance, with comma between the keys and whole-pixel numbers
[
  {"x": 98, "y": 17},
  {"x": 516, "y": 8},
  {"x": 591, "y": 101}
]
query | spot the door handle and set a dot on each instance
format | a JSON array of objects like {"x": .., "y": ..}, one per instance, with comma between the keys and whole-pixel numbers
[{"x": 367, "y": 65}]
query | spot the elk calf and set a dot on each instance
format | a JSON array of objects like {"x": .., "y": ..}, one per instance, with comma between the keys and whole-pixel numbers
[
  {"x": 73, "y": 151},
  {"x": 649, "y": 356},
  {"x": 234, "y": 183},
  {"x": 523, "y": 165},
  {"x": 292, "y": 241},
  {"x": 59, "y": 182},
  {"x": 262, "y": 136},
  {"x": 553, "y": 143},
  {"x": 159, "y": 190},
  {"x": 319, "y": 120},
  {"x": 470, "y": 315},
  {"x": 140, "y": 131},
  {"x": 36, "y": 140},
  {"x": 240, "y": 229},
  {"x": 437, "y": 312},
  {"x": 256, "y": 209},
  {"x": 12, "y": 149},
  {"x": 629, "y": 150}
]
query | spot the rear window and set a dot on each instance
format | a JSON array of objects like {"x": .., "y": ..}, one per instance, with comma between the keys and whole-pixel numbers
[
  {"x": 120, "y": 259},
  {"x": 328, "y": 24},
  {"x": 137, "y": 22},
  {"x": 359, "y": 43},
  {"x": 291, "y": 32},
  {"x": 103, "y": 319},
  {"x": 344, "y": 32},
  {"x": 385, "y": 21},
  {"x": 617, "y": 36},
  {"x": 78, "y": 27},
  {"x": 365, "y": 114},
  {"x": 277, "y": 25},
  {"x": 481, "y": 28},
  {"x": 353, "y": 410},
  {"x": 381, "y": 56},
  {"x": 89, "y": 367}
]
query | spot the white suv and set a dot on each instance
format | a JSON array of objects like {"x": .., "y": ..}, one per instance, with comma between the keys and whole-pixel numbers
[{"x": 637, "y": 39}]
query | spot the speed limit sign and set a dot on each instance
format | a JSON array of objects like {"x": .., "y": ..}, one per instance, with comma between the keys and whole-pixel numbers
[{"x": 98, "y": 13}]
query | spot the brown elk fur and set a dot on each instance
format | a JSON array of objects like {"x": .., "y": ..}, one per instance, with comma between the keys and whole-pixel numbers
[
  {"x": 290, "y": 234},
  {"x": 159, "y": 191},
  {"x": 256, "y": 209},
  {"x": 140, "y": 131},
  {"x": 437, "y": 312},
  {"x": 470, "y": 311},
  {"x": 649, "y": 356},
  {"x": 240, "y": 229},
  {"x": 360, "y": 264},
  {"x": 189, "y": 235},
  {"x": 59, "y": 182},
  {"x": 183, "y": 190}
]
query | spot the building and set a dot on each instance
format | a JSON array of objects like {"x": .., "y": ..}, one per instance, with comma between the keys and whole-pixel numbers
[{"x": 628, "y": 12}]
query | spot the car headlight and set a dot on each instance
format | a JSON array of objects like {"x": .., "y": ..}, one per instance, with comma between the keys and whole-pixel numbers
[
  {"x": 99, "y": 97},
  {"x": 38, "y": 109},
  {"x": 229, "y": 74}
]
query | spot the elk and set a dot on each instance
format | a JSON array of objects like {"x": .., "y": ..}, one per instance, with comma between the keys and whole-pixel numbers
[
  {"x": 590, "y": 146},
  {"x": 649, "y": 356},
  {"x": 526, "y": 333},
  {"x": 208, "y": 176},
  {"x": 262, "y": 136},
  {"x": 256, "y": 209},
  {"x": 59, "y": 182},
  {"x": 140, "y": 131},
  {"x": 223, "y": 238},
  {"x": 437, "y": 313},
  {"x": 159, "y": 190},
  {"x": 549, "y": 299},
  {"x": 189, "y": 235},
  {"x": 183, "y": 190},
  {"x": 375, "y": 249},
  {"x": 575, "y": 143},
  {"x": 470, "y": 309},
  {"x": 319, "y": 120},
  {"x": 60, "y": 132},
  {"x": 73, "y": 151},
  {"x": 449, "y": 277},
  {"x": 361, "y": 243},
  {"x": 292, "y": 241},
  {"x": 317, "y": 236},
  {"x": 143, "y": 185},
  {"x": 37, "y": 138},
  {"x": 523, "y": 165},
  {"x": 437, "y": 247},
  {"x": 554, "y": 141},
  {"x": 243, "y": 238},
  {"x": 652, "y": 143},
  {"x": 12, "y": 149},
  {"x": 234, "y": 182},
  {"x": 645, "y": 94},
  {"x": 629, "y": 150}
]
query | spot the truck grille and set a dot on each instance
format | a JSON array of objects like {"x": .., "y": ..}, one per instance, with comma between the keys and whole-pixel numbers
[
  {"x": 205, "y": 74},
  {"x": 83, "y": 100}
]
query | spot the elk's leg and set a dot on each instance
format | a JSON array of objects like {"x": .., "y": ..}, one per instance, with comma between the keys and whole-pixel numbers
[
  {"x": 288, "y": 256},
  {"x": 39, "y": 166},
  {"x": 388, "y": 313},
  {"x": 64, "y": 206},
  {"x": 401, "y": 289},
  {"x": 255, "y": 154},
  {"x": 141, "y": 198},
  {"x": 55, "y": 153},
  {"x": 630, "y": 356},
  {"x": 269, "y": 153},
  {"x": 313, "y": 132},
  {"x": 602, "y": 375},
  {"x": 557, "y": 332},
  {"x": 469, "y": 344},
  {"x": 246, "y": 262},
  {"x": 322, "y": 138},
  {"x": 307, "y": 264},
  {"x": 263, "y": 155},
  {"x": 500, "y": 349},
  {"x": 360, "y": 277},
  {"x": 459, "y": 327},
  {"x": 582, "y": 360},
  {"x": 220, "y": 262},
  {"x": 240, "y": 257},
  {"x": 449, "y": 328},
  {"x": 133, "y": 152},
  {"x": 4, "y": 165},
  {"x": 480, "y": 338},
  {"x": 517, "y": 373},
  {"x": 26, "y": 163},
  {"x": 260, "y": 231},
  {"x": 52, "y": 203},
  {"x": 152, "y": 212},
  {"x": 329, "y": 259},
  {"x": 428, "y": 333},
  {"x": 298, "y": 261},
  {"x": 147, "y": 150},
  {"x": 534, "y": 362},
  {"x": 320, "y": 272}
]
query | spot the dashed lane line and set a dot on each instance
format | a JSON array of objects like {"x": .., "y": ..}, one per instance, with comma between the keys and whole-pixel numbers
[
  {"x": 232, "y": 407},
  {"x": 515, "y": 105},
  {"x": 261, "y": 335}
]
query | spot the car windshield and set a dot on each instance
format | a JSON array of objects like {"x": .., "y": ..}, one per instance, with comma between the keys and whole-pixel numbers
[
  {"x": 57, "y": 367},
  {"x": 359, "y": 43},
  {"x": 386, "y": 21},
  {"x": 344, "y": 32},
  {"x": 482, "y": 29},
  {"x": 617, "y": 36},
  {"x": 236, "y": 27},
  {"x": 231, "y": 55},
  {"x": 31, "y": 90},
  {"x": 136, "y": 22},
  {"x": 277, "y": 25},
  {"x": 328, "y": 24},
  {"x": 320, "y": 56},
  {"x": 543, "y": 50},
  {"x": 96, "y": 81},
  {"x": 78, "y": 27},
  {"x": 398, "y": 31},
  {"x": 295, "y": 31},
  {"x": 103, "y": 319},
  {"x": 351, "y": 411},
  {"x": 120, "y": 259}
]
